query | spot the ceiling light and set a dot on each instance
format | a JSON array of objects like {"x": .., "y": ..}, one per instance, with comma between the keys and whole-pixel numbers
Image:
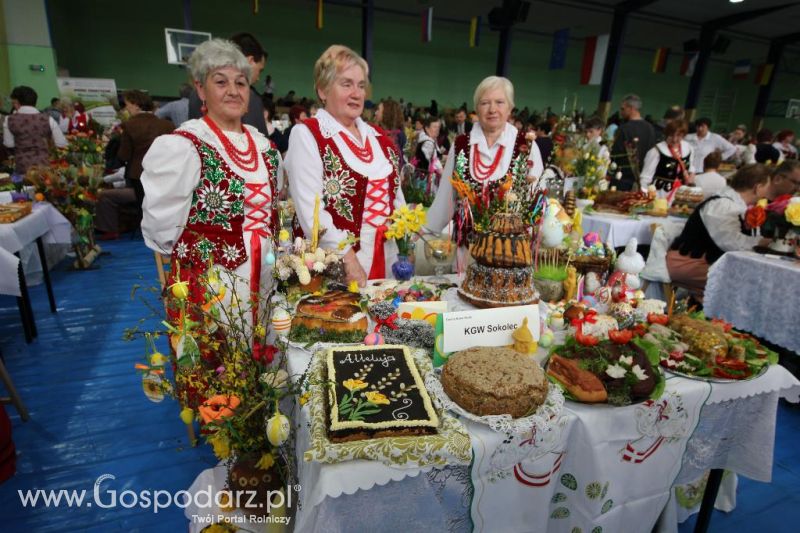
[{"x": 736, "y": 1}]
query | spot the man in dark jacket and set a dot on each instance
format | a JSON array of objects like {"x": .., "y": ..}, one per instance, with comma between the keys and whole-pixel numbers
[
  {"x": 257, "y": 58},
  {"x": 635, "y": 135}
]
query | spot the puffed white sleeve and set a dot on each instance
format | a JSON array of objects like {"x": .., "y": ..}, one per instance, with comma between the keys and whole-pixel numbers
[
  {"x": 722, "y": 222},
  {"x": 441, "y": 210},
  {"x": 726, "y": 147},
  {"x": 171, "y": 171},
  {"x": 535, "y": 163},
  {"x": 649, "y": 168},
  {"x": 304, "y": 171}
]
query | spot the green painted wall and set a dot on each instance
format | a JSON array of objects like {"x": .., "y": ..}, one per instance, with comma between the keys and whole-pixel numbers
[{"x": 445, "y": 69}]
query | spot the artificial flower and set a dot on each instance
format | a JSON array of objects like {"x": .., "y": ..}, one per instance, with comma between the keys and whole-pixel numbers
[
  {"x": 180, "y": 289},
  {"x": 353, "y": 287},
  {"x": 355, "y": 384},
  {"x": 318, "y": 266},
  {"x": 616, "y": 371},
  {"x": 283, "y": 235},
  {"x": 792, "y": 213},
  {"x": 377, "y": 398},
  {"x": 158, "y": 359},
  {"x": 304, "y": 398},
  {"x": 219, "y": 406},
  {"x": 639, "y": 372},
  {"x": 276, "y": 379},
  {"x": 187, "y": 415},
  {"x": 221, "y": 445}
]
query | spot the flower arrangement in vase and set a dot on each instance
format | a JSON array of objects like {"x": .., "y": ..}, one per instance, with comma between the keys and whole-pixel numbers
[{"x": 405, "y": 222}]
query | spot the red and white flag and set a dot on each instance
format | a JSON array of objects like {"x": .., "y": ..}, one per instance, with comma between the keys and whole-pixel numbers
[
  {"x": 427, "y": 25},
  {"x": 688, "y": 64},
  {"x": 594, "y": 59}
]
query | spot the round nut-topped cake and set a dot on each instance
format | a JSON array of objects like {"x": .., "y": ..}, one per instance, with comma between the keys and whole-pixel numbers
[{"x": 494, "y": 381}]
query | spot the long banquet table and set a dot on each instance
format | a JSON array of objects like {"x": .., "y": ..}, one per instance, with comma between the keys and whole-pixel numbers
[
  {"x": 618, "y": 229},
  {"x": 757, "y": 293},
  {"x": 601, "y": 469},
  {"x": 598, "y": 468}
]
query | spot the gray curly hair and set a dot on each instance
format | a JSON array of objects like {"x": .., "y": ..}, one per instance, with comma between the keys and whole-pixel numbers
[{"x": 214, "y": 54}]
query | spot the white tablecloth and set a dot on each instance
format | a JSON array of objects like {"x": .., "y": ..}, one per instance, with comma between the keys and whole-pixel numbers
[
  {"x": 9, "y": 280},
  {"x": 617, "y": 230},
  {"x": 757, "y": 293},
  {"x": 46, "y": 222}
]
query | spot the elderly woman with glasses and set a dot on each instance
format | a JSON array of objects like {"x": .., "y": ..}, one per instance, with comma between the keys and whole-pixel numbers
[
  {"x": 483, "y": 158},
  {"x": 351, "y": 166},
  {"x": 210, "y": 187}
]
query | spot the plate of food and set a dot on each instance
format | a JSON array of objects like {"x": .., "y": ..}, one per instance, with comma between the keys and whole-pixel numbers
[
  {"x": 696, "y": 348},
  {"x": 408, "y": 291},
  {"x": 620, "y": 370}
]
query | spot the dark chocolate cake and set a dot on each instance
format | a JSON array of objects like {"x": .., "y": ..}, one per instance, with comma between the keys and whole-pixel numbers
[{"x": 376, "y": 391}]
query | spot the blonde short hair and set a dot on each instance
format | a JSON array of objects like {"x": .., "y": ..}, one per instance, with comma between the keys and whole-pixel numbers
[
  {"x": 332, "y": 61},
  {"x": 491, "y": 83}
]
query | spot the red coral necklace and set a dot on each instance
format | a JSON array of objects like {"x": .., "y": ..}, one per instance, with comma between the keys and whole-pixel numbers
[
  {"x": 481, "y": 171},
  {"x": 246, "y": 159},
  {"x": 363, "y": 154}
]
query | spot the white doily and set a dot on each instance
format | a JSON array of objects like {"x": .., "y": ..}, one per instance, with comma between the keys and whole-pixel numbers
[{"x": 543, "y": 420}]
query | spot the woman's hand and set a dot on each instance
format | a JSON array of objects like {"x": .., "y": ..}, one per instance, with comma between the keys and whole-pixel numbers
[{"x": 353, "y": 270}]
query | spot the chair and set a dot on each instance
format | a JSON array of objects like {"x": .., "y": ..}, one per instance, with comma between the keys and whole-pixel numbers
[
  {"x": 162, "y": 268},
  {"x": 13, "y": 396}
]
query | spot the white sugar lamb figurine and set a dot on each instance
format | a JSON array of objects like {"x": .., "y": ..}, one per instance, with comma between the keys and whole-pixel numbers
[{"x": 631, "y": 263}]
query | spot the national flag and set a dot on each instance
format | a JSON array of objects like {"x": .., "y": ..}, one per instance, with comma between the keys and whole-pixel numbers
[
  {"x": 764, "y": 74},
  {"x": 427, "y": 25},
  {"x": 558, "y": 54},
  {"x": 255, "y": 7},
  {"x": 688, "y": 64},
  {"x": 741, "y": 69},
  {"x": 594, "y": 59},
  {"x": 474, "y": 32},
  {"x": 660, "y": 60},
  {"x": 319, "y": 14}
]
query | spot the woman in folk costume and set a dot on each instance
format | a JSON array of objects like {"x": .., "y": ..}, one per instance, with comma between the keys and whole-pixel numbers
[
  {"x": 350, "y": 166},
  {"x": 483, "y": 159},
  {"x": 671, "y": 159},
  {"x": 209, "y": 188}
]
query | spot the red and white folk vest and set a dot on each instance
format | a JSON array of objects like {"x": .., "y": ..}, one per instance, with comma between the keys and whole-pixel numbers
[
  {"x": 214, "y": 230},
  {"x": 351, "y": 198},
  {"x": 463, "y": 167}
]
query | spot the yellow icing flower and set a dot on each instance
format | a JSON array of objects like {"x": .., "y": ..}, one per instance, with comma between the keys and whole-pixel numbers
[
  {"x": 355, "y": 384},
  {"x": 793, "y": 213},
  {"x": 266, "y": 461},
  {"x": 377, "y": 398},
  {"x": 222, "y": 448}
]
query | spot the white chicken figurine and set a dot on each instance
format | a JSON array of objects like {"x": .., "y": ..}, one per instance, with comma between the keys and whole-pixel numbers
[
  {"x": 552, "y": 228},
  {"x": 631, "y": 263}
]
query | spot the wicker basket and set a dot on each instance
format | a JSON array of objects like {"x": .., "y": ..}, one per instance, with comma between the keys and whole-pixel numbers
[{"x": 589, "y": 263}]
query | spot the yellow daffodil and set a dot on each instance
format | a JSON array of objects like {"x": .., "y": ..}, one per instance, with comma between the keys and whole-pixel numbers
[
  {"x": 260, "y": 331},
  {"x": 355, "y": 384},
  {"x": 377, "y": 398}
]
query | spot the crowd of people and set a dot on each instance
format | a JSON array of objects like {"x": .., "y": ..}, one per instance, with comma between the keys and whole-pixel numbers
[{"x": 204, "y": 171}]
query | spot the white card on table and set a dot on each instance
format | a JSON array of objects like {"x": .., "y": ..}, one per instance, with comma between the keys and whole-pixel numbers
[{"x": 486, "y": 327}]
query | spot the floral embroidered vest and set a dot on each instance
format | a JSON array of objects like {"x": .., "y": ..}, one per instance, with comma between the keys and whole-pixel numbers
[
  {"x": 343, "y": 189},
  {"x": 213, "y": 229},
  {"x": 518, "y": 168}
]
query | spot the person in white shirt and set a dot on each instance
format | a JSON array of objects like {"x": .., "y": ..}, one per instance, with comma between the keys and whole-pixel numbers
[
  {"x": 482, "y": 159},
  {"x": 671, "y": 159},
  {"x": 350, "y": 166},
  {"x": 210, "y": 188},
  {"x": 716, "y": 227},
  {"x": 784, "y": 142},
  {"x": 30, "y": 132},
  {"x": 711, "y": 181},
  {"x": 705, "y": 141}
]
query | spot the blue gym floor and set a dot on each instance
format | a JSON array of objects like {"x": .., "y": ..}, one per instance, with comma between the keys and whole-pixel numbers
[{"x": 89, "y": 416}]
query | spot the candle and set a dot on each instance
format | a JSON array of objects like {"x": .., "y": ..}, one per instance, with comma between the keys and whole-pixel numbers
[{"x": 315, "y": 227}]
